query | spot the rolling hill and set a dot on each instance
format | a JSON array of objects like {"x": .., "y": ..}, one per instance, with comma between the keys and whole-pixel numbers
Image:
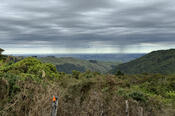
[
  {"x": 162, "y": 61},
  {"x": 68, "y": 64}
]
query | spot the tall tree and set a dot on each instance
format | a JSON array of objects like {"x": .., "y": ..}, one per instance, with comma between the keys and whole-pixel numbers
[{"x": 1, "y": 50}]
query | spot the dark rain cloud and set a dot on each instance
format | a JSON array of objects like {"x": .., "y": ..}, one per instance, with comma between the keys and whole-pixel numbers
[{"x": 84, "y": 24}]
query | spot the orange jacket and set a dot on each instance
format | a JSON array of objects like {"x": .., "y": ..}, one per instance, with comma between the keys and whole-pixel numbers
[{"x": 54, "y": 99}]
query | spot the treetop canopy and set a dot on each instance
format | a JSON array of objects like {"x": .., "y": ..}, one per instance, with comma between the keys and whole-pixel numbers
[{"x": 1, "y": 50}]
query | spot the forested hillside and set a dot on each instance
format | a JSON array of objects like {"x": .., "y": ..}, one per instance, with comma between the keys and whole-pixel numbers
[
  {"x": 27, "y": 87},
  {"x": 162, "y": 61},
  {"x": 68, "y": 64}
]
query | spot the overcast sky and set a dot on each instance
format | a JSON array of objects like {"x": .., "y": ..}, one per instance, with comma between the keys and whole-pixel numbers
[{"x": 86, "y": 26}]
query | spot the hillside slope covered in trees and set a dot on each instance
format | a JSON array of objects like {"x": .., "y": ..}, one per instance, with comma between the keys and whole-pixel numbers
[{"x": 162, "y": 61}]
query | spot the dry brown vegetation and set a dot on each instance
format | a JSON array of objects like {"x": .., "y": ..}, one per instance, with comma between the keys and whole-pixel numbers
[{"x": 81, "y": 94}]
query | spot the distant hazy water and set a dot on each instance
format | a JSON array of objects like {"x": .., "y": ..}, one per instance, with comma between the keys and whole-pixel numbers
[{"x": 100, "y": 57}]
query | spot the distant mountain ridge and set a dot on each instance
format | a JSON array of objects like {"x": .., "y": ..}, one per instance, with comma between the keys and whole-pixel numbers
[
  {"x": 118, "y": 57},
  {"x": 162, "y": 61}
]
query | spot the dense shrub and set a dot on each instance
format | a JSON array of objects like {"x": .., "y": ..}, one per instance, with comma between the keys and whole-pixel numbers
[
  {"x": 75, "y": 74},
  {"x": 32, "y": 66},
  {"x": 119, "y": 73},
  {"x": 11, "y": 80},
  {"x": 138, "y": 96}
]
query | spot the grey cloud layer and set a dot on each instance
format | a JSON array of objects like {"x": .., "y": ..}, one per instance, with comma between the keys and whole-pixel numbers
[{"x": 80, "y": 23}]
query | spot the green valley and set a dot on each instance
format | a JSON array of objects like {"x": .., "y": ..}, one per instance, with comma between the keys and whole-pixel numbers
[{"x": 68, "y": 64}]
